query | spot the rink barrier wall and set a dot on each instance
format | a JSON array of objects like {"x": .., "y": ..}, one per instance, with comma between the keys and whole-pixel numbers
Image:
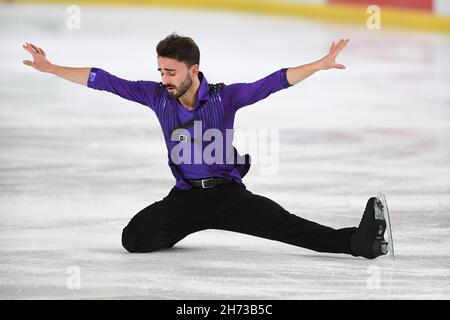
[{"x": 419, "y": 16}]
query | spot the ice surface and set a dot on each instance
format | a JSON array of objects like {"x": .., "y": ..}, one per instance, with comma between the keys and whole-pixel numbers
[{"x": 77, "y": 164}]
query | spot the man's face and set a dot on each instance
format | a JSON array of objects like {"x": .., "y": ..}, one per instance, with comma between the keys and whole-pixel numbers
[{"x": 176, "y": 76}]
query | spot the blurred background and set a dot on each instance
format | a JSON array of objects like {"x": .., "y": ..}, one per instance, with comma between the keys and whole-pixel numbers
[{"x": 77, "y": 164}]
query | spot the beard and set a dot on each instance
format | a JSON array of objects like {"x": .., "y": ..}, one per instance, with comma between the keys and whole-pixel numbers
[{"x": 182, "y": 89}]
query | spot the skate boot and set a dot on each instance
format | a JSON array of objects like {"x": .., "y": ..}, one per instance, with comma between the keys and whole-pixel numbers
[{"x": 368, "y": 240}]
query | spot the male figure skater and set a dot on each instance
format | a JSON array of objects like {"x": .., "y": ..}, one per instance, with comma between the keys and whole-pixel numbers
[{"x": 211, "y": 195}]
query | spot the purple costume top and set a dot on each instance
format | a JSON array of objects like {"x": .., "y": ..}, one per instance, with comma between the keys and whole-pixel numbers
[{"x": 215, "y": 107}]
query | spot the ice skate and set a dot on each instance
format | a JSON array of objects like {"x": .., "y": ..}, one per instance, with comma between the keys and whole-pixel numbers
[{"x": 368, "y": 240}]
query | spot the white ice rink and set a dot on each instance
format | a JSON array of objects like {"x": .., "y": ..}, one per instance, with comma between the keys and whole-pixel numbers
[{"x": 77, "y": 164}]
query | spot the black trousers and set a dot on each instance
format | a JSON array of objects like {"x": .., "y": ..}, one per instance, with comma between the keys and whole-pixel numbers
[{"x": 226, "y": 207}]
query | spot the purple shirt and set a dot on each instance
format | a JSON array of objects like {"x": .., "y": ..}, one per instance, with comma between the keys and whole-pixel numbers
[
  {"x": 193, "y": 170},
  {"x": 216, "y": 109}
]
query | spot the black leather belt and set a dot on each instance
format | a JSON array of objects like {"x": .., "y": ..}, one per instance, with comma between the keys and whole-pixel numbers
[{"x": 207, "y": 183}]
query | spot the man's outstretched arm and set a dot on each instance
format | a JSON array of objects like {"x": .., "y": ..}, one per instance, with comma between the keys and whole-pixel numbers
[
  {"x": 40, "y": 63},
  {"x": 297, "y": 74},
  {"x": 244, "y": 94},
  {"x": 142, "y": 92}
]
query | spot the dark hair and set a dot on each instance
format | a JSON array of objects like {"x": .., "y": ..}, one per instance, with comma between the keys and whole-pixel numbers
[{"x": 180, "y": 48}]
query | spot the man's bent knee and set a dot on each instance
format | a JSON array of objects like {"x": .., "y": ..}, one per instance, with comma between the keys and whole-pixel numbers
[{"x": 135, "y": 243}]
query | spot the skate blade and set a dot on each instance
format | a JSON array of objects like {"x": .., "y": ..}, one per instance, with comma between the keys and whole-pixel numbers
[{"x": 389, "y": 246}]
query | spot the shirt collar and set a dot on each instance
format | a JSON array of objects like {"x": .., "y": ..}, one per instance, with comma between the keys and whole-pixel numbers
[{"x": 203, "y": 90}]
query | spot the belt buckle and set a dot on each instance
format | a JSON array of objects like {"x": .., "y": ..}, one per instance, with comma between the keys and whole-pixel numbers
[{"x": 203, "y": 183}]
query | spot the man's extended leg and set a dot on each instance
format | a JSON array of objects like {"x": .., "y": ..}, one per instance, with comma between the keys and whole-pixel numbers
[{"x": 245, "y": 212}]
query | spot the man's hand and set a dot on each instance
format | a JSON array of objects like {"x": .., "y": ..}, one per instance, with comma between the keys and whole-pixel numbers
[
  {"x": 39, "y": 62},
  {"x": 329, "y": 61},
  {"x": 297, "y": 74}
]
